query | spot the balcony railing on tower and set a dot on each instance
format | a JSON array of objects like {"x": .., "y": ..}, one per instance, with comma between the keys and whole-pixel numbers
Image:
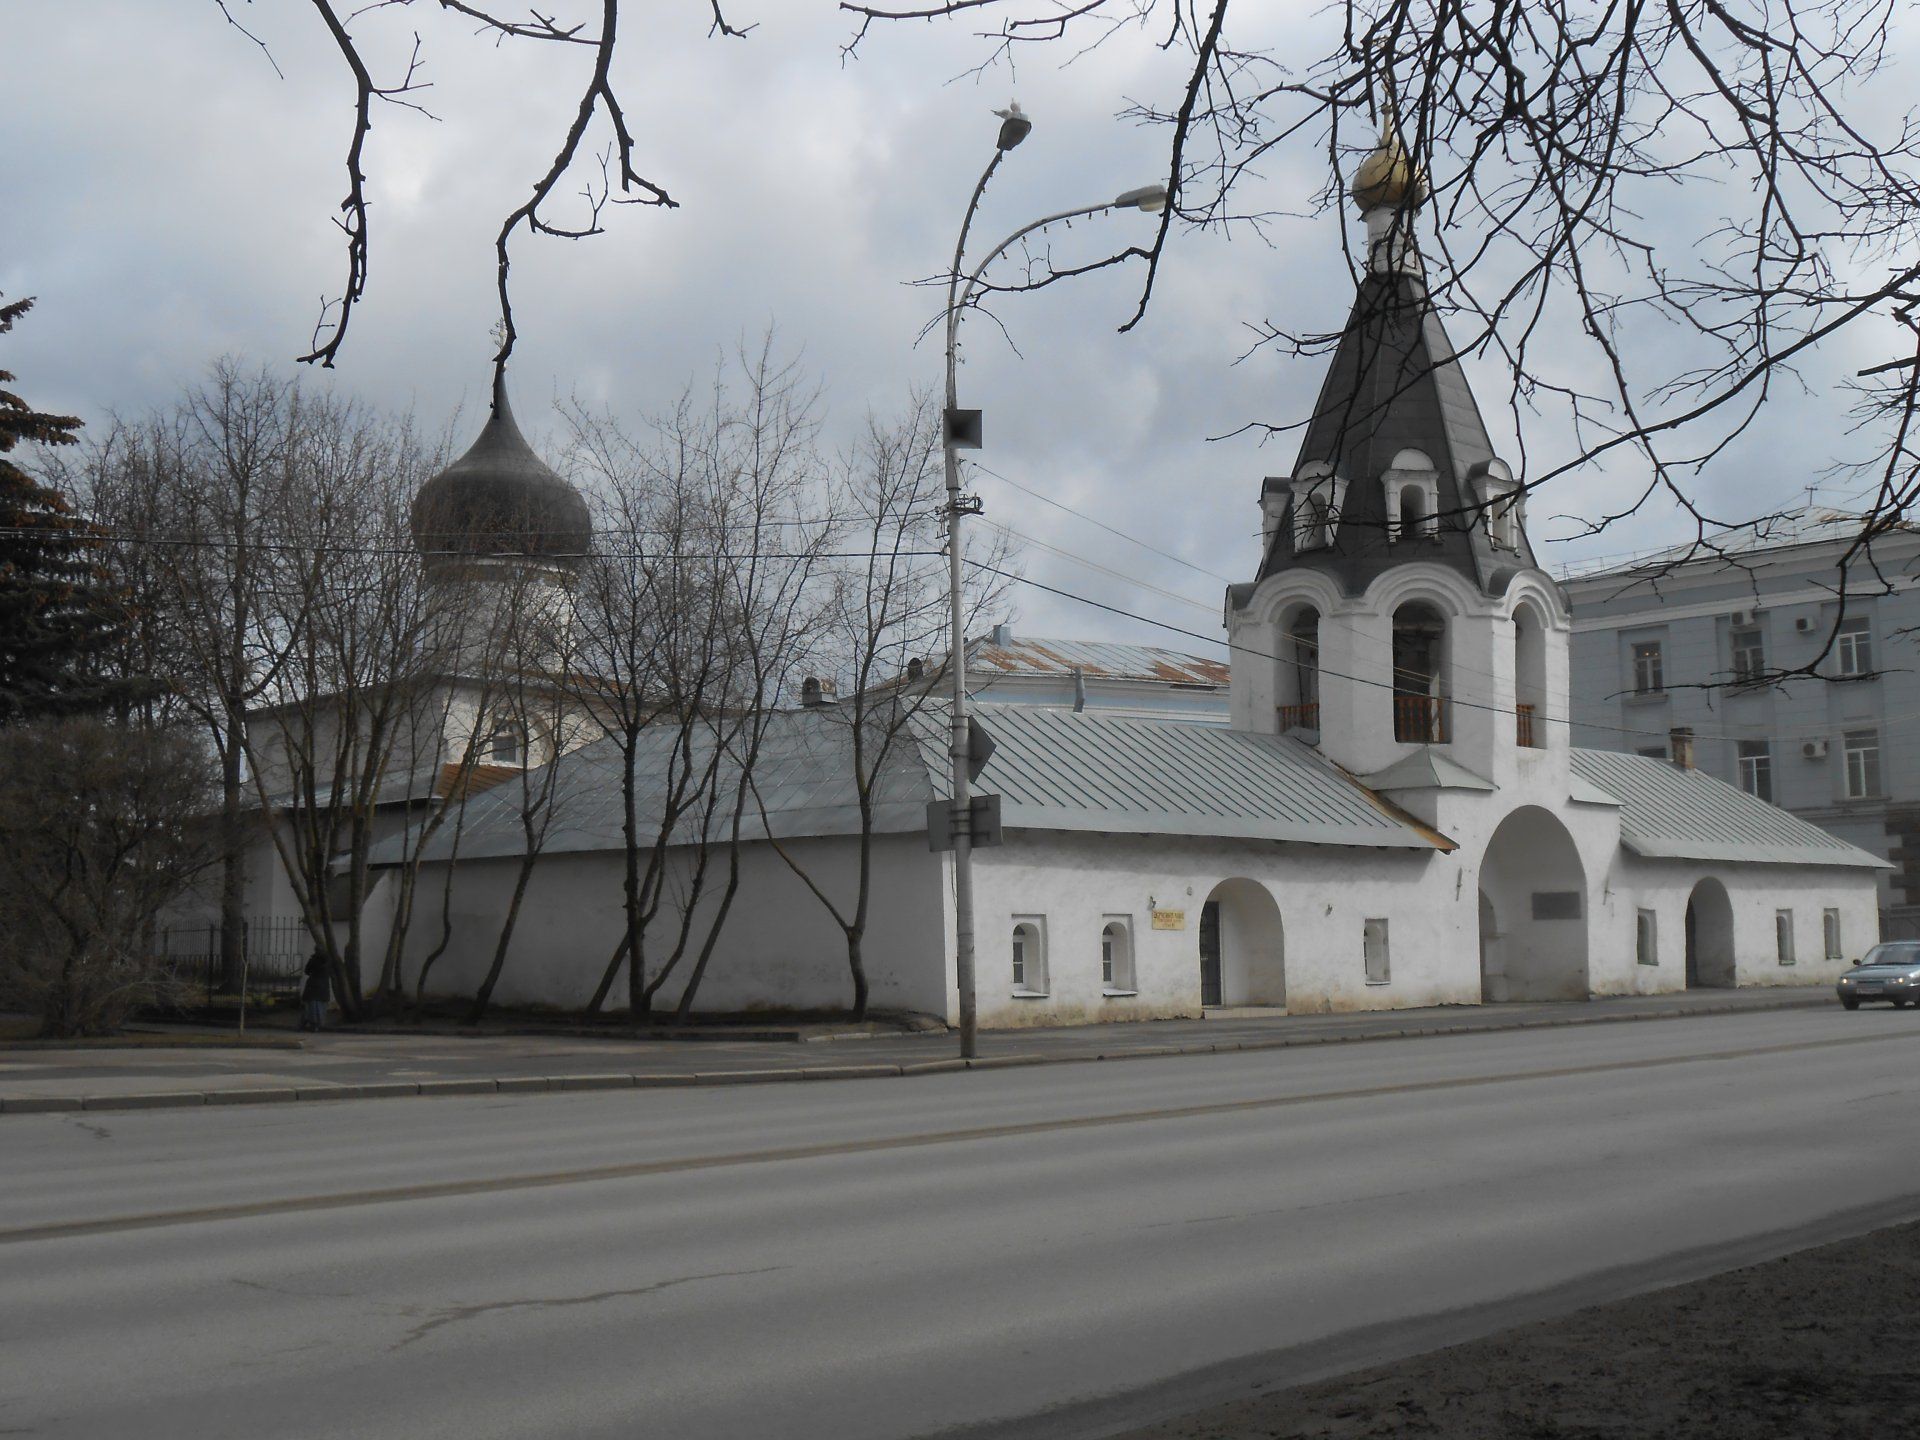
[{"x": 1420, "y": 719}]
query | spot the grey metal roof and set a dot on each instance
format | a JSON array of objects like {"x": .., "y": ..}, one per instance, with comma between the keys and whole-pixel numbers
[
  {"x": 1395, "y": 384},
  {"x": 1426, "y": 769},
  {"x": 988, "y": 658},
  {"x": 1054, "y": 769},
  {"x": 1669, "y": 813},
  {"x": 1065, "y": 770}
]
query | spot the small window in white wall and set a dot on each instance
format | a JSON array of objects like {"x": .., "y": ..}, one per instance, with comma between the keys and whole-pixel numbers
[
  {"x": 1783, "y": 935},
  {"x": 1029, "y": 955},
  {"x": 1373, "y": 944},
  {"x": 1830, "y": 933},
  {"x": 1116, "y": 955},
  {"x": 1646, "y": 943}
]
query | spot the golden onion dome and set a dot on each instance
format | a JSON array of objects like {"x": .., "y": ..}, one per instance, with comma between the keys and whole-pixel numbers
[{"x": 1388, "y": 179}]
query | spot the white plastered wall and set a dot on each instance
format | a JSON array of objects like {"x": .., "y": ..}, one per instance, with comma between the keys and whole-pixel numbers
[
  {"x": 1324, "y": 896},
  {"x": 779, "y": 949}
]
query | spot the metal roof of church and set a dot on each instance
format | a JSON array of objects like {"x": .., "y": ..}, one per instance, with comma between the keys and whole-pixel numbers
[
  {"x": 1054, "y": 769},
  {"x": 1672, "y": 814}
]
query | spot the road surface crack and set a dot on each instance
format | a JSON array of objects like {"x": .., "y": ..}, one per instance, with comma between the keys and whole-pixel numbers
[{"x": 452, "y": 1314}]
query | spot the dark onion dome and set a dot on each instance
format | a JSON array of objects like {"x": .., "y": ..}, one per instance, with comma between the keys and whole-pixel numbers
[{"x": 500, "y": 499}]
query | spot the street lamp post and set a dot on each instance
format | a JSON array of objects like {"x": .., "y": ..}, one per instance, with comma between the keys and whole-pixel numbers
[{"x": 1151, "y": 198}]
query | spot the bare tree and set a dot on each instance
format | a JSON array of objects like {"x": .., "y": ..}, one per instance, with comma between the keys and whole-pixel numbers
[
  {"x": 204, "y": 491},
  {"x": 887, "y": 607},
  {"x": 349, "y": 745},
  {"x": 101, "y": 826},
  {"x": 1564, "y": 151}
]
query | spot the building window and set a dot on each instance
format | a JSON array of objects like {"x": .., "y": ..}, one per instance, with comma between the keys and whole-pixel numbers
[
  {"x": 506, "y": 743},
  {"x": 1756, "y": 768},
  {"x": 1373, "y": 944},
  {"x": 1646, "y": 938},
  {"x": 1855, "y": 647},
  {"x": 1863, "y": 764},
  {"x": 1116, "y": 955},
  {"x": 1749, "y": 655},
  {"x": 1649, "y": 673},
  {"x": 1029, "y": 955},
  {"x": 1783, "y": 935},
  {"x": 1830, "y": 933}
]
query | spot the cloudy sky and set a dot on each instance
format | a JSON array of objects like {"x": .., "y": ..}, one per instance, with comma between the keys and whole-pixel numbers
[{"x": 168, "y": 198}]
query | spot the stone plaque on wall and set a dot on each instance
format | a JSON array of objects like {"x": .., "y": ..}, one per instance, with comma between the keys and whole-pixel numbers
[
  {"x": 1556, "y": 904},
  {"x": 1169, "y": 919}
]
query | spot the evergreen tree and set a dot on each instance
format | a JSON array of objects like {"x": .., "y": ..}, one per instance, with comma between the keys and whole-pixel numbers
[{"x": 59, "y": 609}]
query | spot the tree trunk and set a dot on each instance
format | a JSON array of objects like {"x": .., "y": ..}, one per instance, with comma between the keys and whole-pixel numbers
[
  {"x": 484, "y": 995},
  {"x": 233, "y": 873}
]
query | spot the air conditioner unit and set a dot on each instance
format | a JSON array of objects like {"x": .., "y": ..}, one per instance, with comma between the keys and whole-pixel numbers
[
  {"x": 1804, "y": 624},
  {"x": 1814, "y": 750},
  {"x": 1741, "y": 618}
]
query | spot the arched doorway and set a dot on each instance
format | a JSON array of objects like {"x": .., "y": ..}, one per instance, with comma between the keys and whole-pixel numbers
[
  {"x": 1533, "y": 911},
  {"x": 1243, "y": 956},
  {"x": 1709, "y": 937}
]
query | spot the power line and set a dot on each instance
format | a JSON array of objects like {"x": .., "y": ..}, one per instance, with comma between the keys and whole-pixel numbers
[
  {"x": 1101, "y": 524},
  {"x": 1356, "y": 679}
]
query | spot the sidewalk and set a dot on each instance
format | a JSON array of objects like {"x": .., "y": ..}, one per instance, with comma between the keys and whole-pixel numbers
[{"x": 41, "y": 1078}]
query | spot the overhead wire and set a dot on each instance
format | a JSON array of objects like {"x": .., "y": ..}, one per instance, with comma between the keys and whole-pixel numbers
[{"x": 1257, "y": 653}]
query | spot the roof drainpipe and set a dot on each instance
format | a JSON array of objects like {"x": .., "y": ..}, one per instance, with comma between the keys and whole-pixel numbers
[
  {"x": 1680, "y": 747},
  {"x": 1079, "y": 689}
]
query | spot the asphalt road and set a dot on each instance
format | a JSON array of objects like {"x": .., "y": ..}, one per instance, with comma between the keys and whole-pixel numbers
[{"x": 858, "y": 1260}]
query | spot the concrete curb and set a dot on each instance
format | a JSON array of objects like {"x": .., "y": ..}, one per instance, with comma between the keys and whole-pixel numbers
[{"x": 616, "y": 1080}]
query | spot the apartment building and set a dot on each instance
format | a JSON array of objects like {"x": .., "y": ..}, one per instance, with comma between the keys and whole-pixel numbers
[{"x": 1671, "y": 644}]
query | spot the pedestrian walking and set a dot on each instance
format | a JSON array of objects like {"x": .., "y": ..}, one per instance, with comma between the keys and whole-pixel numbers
[{"x": 315, "y": 992}]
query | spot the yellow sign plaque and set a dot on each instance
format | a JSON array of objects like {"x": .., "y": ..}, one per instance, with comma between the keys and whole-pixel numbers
[{"x": 1169, "y": 919}]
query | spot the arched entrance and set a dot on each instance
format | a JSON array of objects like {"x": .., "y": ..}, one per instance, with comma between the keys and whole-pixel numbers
[
  {"x": 1243, "y": 957},
  {"x": 1533, "y": 911},
  {"x": 1709, "y": 937}
]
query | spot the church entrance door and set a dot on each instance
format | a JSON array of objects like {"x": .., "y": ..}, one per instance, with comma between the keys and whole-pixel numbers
[
  {"x": 1709, "y": 937},
  {"x": 1243, "y": 959}
]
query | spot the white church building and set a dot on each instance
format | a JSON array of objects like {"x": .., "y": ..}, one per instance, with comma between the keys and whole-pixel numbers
[{"x": 1393, "y": 817}]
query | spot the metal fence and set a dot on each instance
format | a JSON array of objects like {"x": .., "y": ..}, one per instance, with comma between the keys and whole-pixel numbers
[
  {"x": 276, "y": 949},
  {"x": 1902, "y": 922}
]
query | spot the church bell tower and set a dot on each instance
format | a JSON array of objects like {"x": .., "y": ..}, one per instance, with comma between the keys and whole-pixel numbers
[{"x": 1398, "y": 619}]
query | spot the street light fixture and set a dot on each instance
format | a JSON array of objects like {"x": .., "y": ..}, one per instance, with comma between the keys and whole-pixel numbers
[{"x": 960, "y": 427}]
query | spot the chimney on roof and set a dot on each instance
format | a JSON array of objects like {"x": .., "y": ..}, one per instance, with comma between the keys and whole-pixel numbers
[
  {"x": 815, "y": 692},
  {"x": 1002, "y": 634},
  {"x": 1079, "y": 689},
  {"x": 1680, "y": 747}
]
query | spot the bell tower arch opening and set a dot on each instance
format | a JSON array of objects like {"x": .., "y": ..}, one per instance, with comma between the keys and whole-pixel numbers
[
  {"x": 1298, "y": 680},
  {"x": 1419, "y": 674},
  {"x": 1529, "y": 677}
]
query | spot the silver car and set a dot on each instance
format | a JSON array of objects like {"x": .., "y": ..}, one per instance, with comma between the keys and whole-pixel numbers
[{"x": 1890, "y": 971}]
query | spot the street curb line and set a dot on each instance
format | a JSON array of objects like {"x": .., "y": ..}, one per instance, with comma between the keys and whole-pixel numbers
[{"x": 541, "y": 1084}]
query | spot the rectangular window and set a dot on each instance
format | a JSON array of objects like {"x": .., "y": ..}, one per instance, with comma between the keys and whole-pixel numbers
[
  {"x": 1374, "y": 946},
  {"x": 1783, "y": 935},
  {"x": 1863, "y": 764},
  {"x": 1854, "y": 647},
  {"x": 1756, "y": 768},
  {"x": 1830, "y": 933},
  {"x": 1646, "y": 938},
  {"x": 1749, "y": 655},
  {"x": 1649, "y": 670}
]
